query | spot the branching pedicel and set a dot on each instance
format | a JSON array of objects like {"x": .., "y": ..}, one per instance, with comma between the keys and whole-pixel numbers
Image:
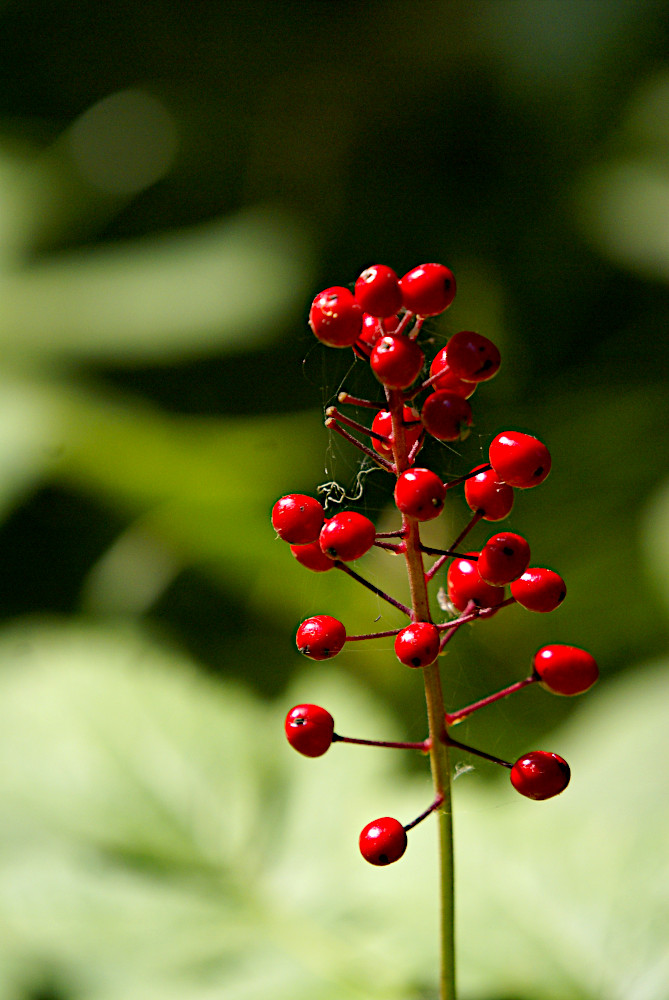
[{"x": 381, "y": 322}]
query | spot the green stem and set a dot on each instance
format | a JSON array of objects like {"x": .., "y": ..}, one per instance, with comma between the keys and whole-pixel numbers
[{"x": 439, "y": 756}]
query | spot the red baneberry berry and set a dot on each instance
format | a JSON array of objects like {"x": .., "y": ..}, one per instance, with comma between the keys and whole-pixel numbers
[
  {"x": 320, "y": 637},
  {"x": 396, "y": 361},
  {"x": 540, "y": 775},
  {"x": 335, "y": 317},
  {"x": 464, "y": 584},
  {"x": 297, "y": 518},
  {"x": 313, "y": 557},
  {"x": 309, "y": 729},
  {"x": 347, "y": 536},
  {"x": 378, "y": 290},
  {"x": 420, "y": 494},
  {"x": 446, "y": 416},
  {"x": 520, "y": 459},
  {"x": 447, "y": 380},
  {"x": 417, "y": 645},
  {"x": 428, "y": 289},
  {"x": 486, "y": 492},
  {"x": 565, "y": 670},
  {"x": 539, "y": 589},
  {"x": 504, "y": 558},
  {"x": 383, "y": 424},
  {"x": 472, "y": 357},
  {"x": 383, "y": 841}
]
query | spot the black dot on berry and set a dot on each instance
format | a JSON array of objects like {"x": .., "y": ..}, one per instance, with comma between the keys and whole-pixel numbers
[
  {"x": 538, "y": 472},
  {"x": 416, "y": 661},
  {"x": 384, "y": 859},
  {"x": 563, "y": 594},
  {"x": 507, "y": 550},
  {"x": 332, "y": 552},
  {"x": 299, "y": 721}
]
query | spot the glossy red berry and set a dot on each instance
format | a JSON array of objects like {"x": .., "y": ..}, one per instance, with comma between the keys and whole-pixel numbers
[
  {"x": 420, "y": 494},
  {"x": 447, "y": 380},
  {"x": 320, "y": 637},
  {"x": 520, "y": 459},
  {"x": 486, "y": 492},
  {"x": 347, "y": 536},
  {"x": 540, "y": 775},
  {"x": 309, "y": 729},
  {"x": 565, "y": 670},
  {"x": 298, "y": 518},
  {"x": 464, "y": 585},
  {"x": 383, "y": 841},
  {"x": 371, "y": 330},
  {"x": 383, "y": 424},
  {"x": 503, "y": 558},
  {"x": 539, "y": 589},
  {"x": 428, "y": 289},
  {"x": 396, "y": 361},
  {"x": 335, "y": 317},
  {"x": 417, "y": 645},
  {"x": 472, "y": 357},
  {"x": 378, "y": 290},
  {"x": 446, "y": 416},
  {"x": 313, "y": 557}
]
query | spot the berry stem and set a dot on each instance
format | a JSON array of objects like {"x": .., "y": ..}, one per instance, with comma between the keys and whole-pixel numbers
[
  {"x": 332, "y": 425},
  {"x": 423, "y": 746},
  {"x": 373, "y": 635},
  {"x": 370, "y": 586},
  {"x": 426, "y": 812},
  {"x": 469, "y": 475},
  {"x": 478, "y": 753},
  {"x": 452, "y": 718},
  {"x": 333, "y": 413},
  {"x": 463, "y": 534},
  {"x": 439, "y": 756},
  {"x": 345, "y": 397}
]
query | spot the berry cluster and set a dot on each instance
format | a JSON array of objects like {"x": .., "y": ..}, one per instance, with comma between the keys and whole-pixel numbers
[{"x": 381, "y": 321}]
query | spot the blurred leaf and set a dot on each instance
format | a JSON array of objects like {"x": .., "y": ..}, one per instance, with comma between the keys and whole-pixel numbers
[
  {"x": 221, "y": 285},
  {"x": 159, "y": 839}
]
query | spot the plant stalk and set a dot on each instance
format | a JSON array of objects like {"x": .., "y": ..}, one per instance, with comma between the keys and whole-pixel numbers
[{"x": 439, "y": 755}]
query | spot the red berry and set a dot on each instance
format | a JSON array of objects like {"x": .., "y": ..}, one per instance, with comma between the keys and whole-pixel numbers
[
  {"x": 335, "y": 317},
  {"x": 539, "y": 589},
  {"x": 297, "y": 518},
  {"x": 446, "y": 416},
  {"x": 520, "y": 459},
  {"x": 383, "y": 424},
  {"x": 428, "y": 289},
  {"x": 320, "y": 637},
  {"x": 565, "y": 670},
  {"x": 313, "y": 557},
  {"x": 396, "y": 361},
  {"x": 447, "y": 380},
  {"x": 503, "y": 558},
  {"x": 485, "y": 492},
  {"x": 383, "y": 841},
  {"x": 371, "y": 330},
  {"x": 378, "y": 290},
  {"x": 417, "y": 645},
  {"x": 309, "y": 729},
  {"x": 472, "y": 357},
  {"x": 420, "y": 494},
  {"x": 540, "y": 775},
  {"x": 347, "y": 536},
  {"x": 464, "y": 585}
]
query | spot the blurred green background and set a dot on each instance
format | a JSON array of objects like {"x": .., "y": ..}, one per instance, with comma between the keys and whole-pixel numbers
[{"x": 177, "y": 181}]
